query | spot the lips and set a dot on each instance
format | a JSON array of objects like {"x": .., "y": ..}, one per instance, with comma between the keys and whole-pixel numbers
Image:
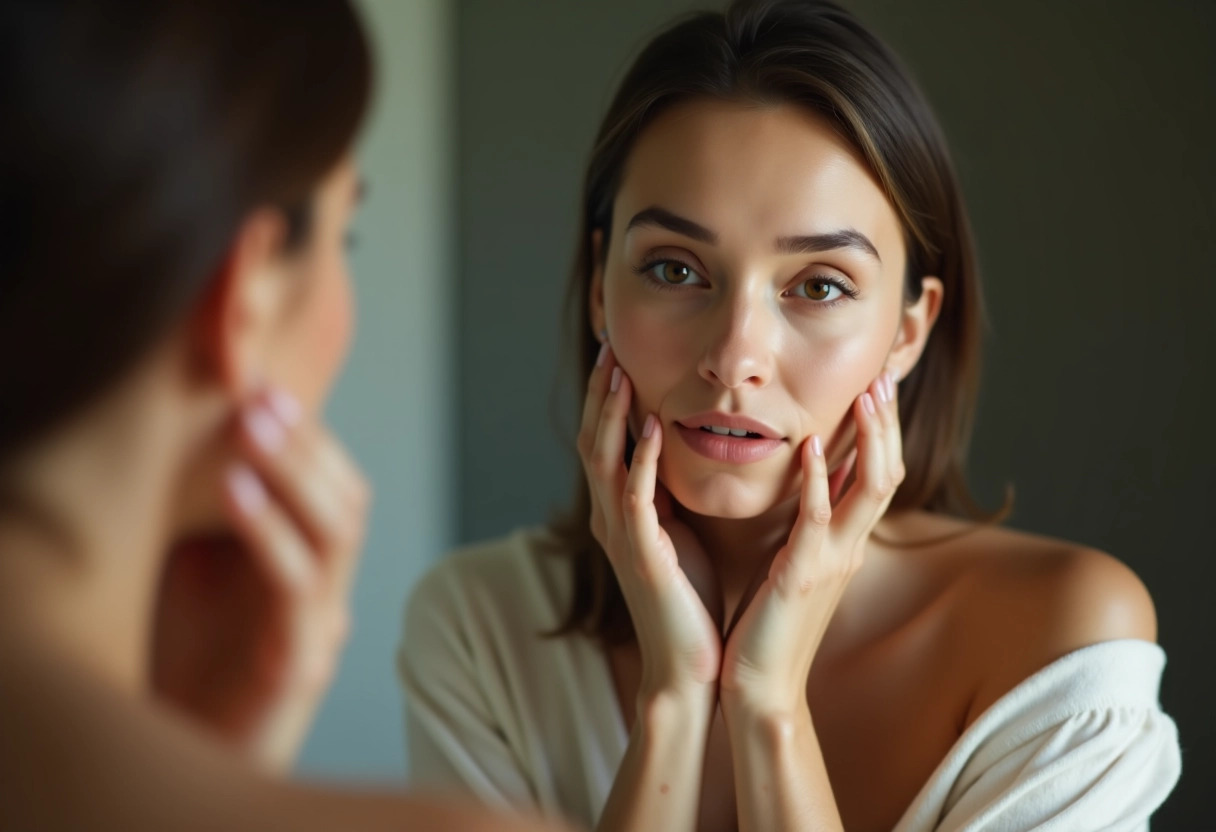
[
  {"x": 729, "y": 438},
  {"x": 731, "y": 423}
]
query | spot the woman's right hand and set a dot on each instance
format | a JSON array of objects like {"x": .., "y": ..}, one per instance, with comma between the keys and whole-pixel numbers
[{"x": 681, "y": 646}]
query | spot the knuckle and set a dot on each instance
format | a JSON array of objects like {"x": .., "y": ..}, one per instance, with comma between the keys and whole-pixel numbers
[
  {"x": 821, "y": 515},
  {"x": 880, "y": 487},
  {"x": 601, "y": 463},
  {"x": 631, "y": 502}
]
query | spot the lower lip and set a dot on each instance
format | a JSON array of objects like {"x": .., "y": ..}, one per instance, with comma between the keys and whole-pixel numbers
[{"x": 738, "y": 450}]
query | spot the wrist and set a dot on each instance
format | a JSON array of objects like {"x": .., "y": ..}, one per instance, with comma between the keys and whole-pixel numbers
[
  {"x": 682, "y": 703},
  {"x": 768, "y": 714}
]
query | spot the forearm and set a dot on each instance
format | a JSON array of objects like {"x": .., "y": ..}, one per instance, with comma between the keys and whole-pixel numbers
[
  {"x": 658, "y": 785},
  {"x": 781, "y": 781}
]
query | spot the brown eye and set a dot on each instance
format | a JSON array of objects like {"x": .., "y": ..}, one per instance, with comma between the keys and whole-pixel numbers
[
  {"x": 665, "y": 274},
  {"x": 675, "y": 273},
  {"x": 817, "y": 289}
]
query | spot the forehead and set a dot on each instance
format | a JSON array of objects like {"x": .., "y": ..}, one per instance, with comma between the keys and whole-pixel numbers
[{"x": 755, "y": 171}]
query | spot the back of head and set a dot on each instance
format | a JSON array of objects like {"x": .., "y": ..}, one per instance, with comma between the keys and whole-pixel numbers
[{"x": 138, "y": 135}]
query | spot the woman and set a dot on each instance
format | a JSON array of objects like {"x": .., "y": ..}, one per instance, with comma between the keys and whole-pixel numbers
[
  {"x": 177, "y": 529},
  {"x": 774, "y": 605}
]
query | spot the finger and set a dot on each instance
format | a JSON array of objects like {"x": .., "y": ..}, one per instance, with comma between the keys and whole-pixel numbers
[
  {"x": 864, "y": 503},
  {"x": 276, "y": 545},
  {"x": 335, "y": 466},
  {"x": 593, "y": 405},
  {"x": 608, "y": 456},
  {"x": 302, "y": 472},
  {"x": 802, "y": 558},
  {"x": 593, "y": 401},
  {"x": 333, "y": 458},
  {"x": 637, "y": 502},
  {"x": 895, "y": 442}
]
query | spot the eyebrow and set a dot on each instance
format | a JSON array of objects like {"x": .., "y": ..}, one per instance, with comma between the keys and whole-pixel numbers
[{"x": 847, "y": 238}]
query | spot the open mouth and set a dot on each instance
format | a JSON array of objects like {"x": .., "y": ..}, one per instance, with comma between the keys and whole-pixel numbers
[{"x": 738, "y": 434}]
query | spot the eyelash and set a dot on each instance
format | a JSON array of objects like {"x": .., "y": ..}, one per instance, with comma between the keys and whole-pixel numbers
[{"x": 646, "y": 269}]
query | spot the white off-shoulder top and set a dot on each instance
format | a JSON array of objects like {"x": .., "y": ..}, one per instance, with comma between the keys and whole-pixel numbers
[{"x": 515, "y": 719}]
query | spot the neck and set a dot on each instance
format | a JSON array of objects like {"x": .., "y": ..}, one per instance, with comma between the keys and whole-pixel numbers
[
  {"x": 739, "y": 548},
  {"x": 83, "y": 536}
]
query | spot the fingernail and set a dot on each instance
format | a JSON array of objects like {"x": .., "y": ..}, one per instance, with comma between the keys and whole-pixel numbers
[
  {"x": 264, "y": 429},
  {"x": 816, "y": 445},
  {"x": 648, "y": 426},
  {"x": 881, "y": 387},
  {"x": 599, "y": 361},
  {"x": 247, "y": 492},
  {"x": 890, "y": 376},
  {"x": 616, "y": 379},
  {"x": 867, "y": 402},
  {"x": 285, "y": 406}
]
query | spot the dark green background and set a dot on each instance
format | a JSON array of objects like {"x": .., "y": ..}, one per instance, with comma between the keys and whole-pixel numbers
[{"x": 1083, "y": 133}]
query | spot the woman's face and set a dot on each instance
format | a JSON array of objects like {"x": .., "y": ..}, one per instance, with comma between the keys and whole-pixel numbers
[
  {"x": 755, "y": 272},
  {"x": 314, "y": 335}
]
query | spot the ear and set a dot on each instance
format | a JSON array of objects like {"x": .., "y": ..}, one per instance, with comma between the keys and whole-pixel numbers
[
  {"x": 245, "y": 300},
  {"x": 595, "y": 298},
  {"x": 914, "y": 328}
]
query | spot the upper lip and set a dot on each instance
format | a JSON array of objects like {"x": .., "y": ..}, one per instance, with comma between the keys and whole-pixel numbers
[{"x": 729, "y": 420}]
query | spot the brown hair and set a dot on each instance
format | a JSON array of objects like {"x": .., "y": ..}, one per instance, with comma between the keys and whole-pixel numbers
[
  {"x": 138, "y": 136},
  {"x": 814, "y": 54}
]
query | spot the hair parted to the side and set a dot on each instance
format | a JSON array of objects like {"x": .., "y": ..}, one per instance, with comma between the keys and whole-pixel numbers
[
  {"x": 138, "y": 135},
  {"x": 813, "y": 54}
]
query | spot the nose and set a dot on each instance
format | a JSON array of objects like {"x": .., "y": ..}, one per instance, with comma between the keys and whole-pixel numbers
[{"x": 740, "y": 349}]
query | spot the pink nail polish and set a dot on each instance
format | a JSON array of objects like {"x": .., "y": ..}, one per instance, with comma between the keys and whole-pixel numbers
[
  {"x": 247, "y": 491},
  {"x": 616, "y": 379},
  {"x": 648, "y": 427},
  {"x": 264, "y": 429},
  {"x": 285, "y": 406},
  {"x": 881, "y": 388},
  {"x": 599, "y": 361},
  {"x": 816, "y": 445},
  {"x": 867, "y": 402}
]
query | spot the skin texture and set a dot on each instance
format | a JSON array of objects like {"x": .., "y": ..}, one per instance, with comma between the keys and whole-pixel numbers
[
  {"x": 772, "y": 627},
  {"x": 193, "y": 616}
]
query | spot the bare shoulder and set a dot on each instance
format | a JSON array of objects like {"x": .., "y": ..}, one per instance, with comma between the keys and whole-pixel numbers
[
  {"x": 1065, "y": 595},
  {"x": 1021, "y": 601}
]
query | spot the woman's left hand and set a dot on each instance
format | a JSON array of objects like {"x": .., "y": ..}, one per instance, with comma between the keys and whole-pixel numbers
[
  {"x": 769, "y": 652},
  {"x": 250, "y": 623}
]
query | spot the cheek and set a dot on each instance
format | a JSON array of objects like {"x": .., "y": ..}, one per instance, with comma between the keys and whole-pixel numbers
[
  {"x": 323, "y": 336},
  {"x": 649, "y": 345},
  {"x": 826, "y": 374}
]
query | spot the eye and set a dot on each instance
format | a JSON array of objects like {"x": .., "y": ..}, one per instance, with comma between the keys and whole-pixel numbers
[
  {"x": 673, "y": 273},
  {"x": 823, "y": 290}
]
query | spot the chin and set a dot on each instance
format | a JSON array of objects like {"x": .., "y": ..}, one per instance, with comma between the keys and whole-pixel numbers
[{"x": 727, "y": 495}]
